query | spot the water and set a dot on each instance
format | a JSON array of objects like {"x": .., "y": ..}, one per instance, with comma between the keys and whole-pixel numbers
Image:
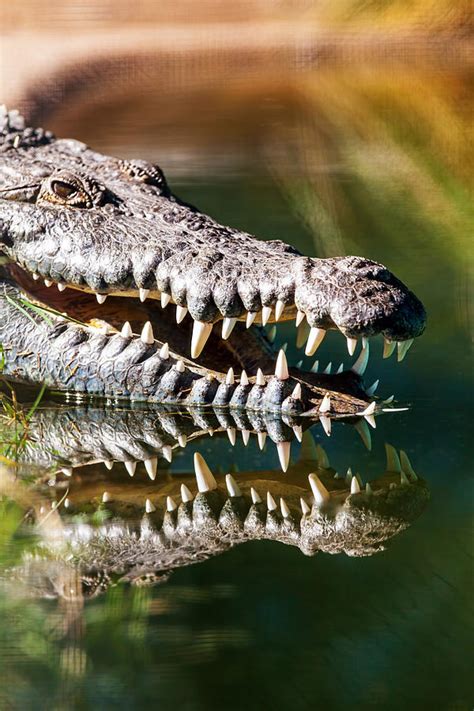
[{"x": 368, "y": 163}]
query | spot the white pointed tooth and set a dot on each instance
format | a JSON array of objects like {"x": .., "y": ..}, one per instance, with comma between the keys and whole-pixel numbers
[
  {"x": 165, "y": 299},
  {"x": 325, "y": 404},
  {"x": 371, "y": 420},
  {"x": 320, "y": 493},
  {"x": 393, "y": 461},
  {"x": 315, "y": 367},
  {"x": 142, "y": 294},
  {"x": 182, "y": 440},
  {"x": 186, "y": 495},
  {"x": 260, "y": 379},
  {"x": 130, "y": 467},
  {"x": 180, "y": 366},
  {"x": 340, "y": 369},
  {"x": 326, "y": 424},
  {"x": 364, "y": 432},
  {"x": 315, "y": 339},
  {"x": 147, "y": 334},
  {"x": 322, "y": 457},
  {"x": 256, "y": 499},
  {"x": 149, "y": 506},
  {"x": 279, "y": 308},
  {"x": 232, "y": 435},
  {"x": 403, "y": 348},
  {"x": 229, "y": 378},
  {"x": 361, "y": 363},
  {"x": 261, "y": 437},
  {"x": 204, "y": 477},
  {"x": 281, "y": 369},
  {"x": 35, "y": 276},
  {"x": 201, "y": 332},
  {"x": 406, "y": 465},
  {"x": 272, "y": 334},
  {"x": 302, "y": 333},
  {"x": 232, "y": 486},
  {"x": 244, "y": 378},
  {"x": 67, "y": 503},
  {"x": 106, "y": 497},
  {"x": 108, "y": 464},
  {"x": 284, "y": 451},
  {"x": 370, "y": 391},
  {"x": 48, "y": 282},
  {"x": 403, "y": 478},
  {"x": 300, "y": 316},
  {"x": 171, "y": 504},
  {"x": 327, "y": 370},
  {"x": 151, "y": 466},
  {"x": 250, "y": 318},
  {"x": 298, "y": 432},
  {"x": 61, "y": 287},
  {"x": 304, "y": 507},
  {"x": 355, "y": 486},
  {"x": 245, "y": 437},
  {"x": 126, "y": 331},
  {"x": 101, "y": 298},
  {"x": 271, "y": 503},
  {"x": 285, "y": 511},
  {"x": 368, "y": 489},
  {"x": 165, "y": 351},
  {"x": 181, "y": 312},
  {"x": 388, "y": 348},
  {"x": 296, "y": 394},
  {"x": 167, "y": 452},
  {"x": 67, "y": 471},
  {"x": 351, "y": 345},
  {"x": 369, "y": 410},
  {"x": 266, "y": 314},
  {"x": 228, "y": 326},
  {"x": 389, "y": 400}
]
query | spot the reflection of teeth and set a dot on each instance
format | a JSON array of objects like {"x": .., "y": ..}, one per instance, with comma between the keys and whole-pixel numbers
[
  {"x": 149, "y": 507},
  {"x": 327, "y": 370},
  {"x": 142, "y": 294},
  {"x": 165, "y": 299},
  {"x": 326, "y": 423},
  {"x": 181, "y": 312},
  {"x": 130, "y": 467},
  {"x": 147, "y": 334},
  {"x": 165, "y": 351},
  {"x": 406, "y": 465},
  {"x": 355, "y": 486},
  {"x": 302, "y": 333},
  {"x": 315, "y": 367},
  {"x": 272, "y": 334},
  {"x": 126, "y": 331},
  {"x": 101, "y": 298},
  {"x": 351, "y": 345},
  {"x": 368, "y": 489},
  {"x": 340, "y": 369},
  {"x": 261, "y": 437},
  {"x": 285, "y": 511},
  {"x": 404, "y": 480},
  {"x": 151, "y": 466},
  {"x": 320, "y": 493},
  {"x": 325, "y": 404},
  {"x": 229, "y": 378},
  {"x": 281, "y": 369},
  {"x": 403, "y": 348},
  {"x": 299, "y": 318},
  {"x": 304, "y": 507},
  {"x": 361, "y": 363},
  {"x": 232, "y": 486},
  {"x": 388, "y": 348},
  {"x": 227, "y": 327},
  {"x": 364, "y": 432},
  {"x": 186, "y": 495},
  {"x": 284, "y": 450},
  {"x": 106, "y": 497},
  {"x": 393, "y": 461},
  {"x": 271, "y": 503},
  {"x": 260, "y": 379},
  {"x": 370, "y": 391},
  {"x": 315, "y": 339},
  {"x": 255, "y": 496},
  {"x": 322, "y": 457},
  {"x": 266, "y": 314},
  {"x": 279, "y": 308},
  {"x": 201, "y": 332},
  {"x": 389, "y": 400},
  {"x": 250, "y": 318},
  {"x": 204, "y": 477}
]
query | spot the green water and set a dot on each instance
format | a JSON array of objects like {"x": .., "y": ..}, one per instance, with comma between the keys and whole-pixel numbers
[{"x": 263, "y": 626}]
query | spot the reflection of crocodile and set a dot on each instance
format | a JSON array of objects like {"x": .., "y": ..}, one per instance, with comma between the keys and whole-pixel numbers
[
  {"x": 97, "y": 227},
  {"x": 112, "y": 528}
]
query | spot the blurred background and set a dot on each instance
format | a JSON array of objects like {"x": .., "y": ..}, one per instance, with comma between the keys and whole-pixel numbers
[{"x": 343, "y": 127}]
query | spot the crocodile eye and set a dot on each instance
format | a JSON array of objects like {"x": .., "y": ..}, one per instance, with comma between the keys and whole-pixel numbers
[
  {"x": 63, "y": 190},
  {"x": 72, "y": 190}
]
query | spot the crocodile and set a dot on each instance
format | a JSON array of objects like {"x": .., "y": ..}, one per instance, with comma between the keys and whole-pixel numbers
[
  {"x": 100, "y": 528},
  {"x": 119, "y": 248}
]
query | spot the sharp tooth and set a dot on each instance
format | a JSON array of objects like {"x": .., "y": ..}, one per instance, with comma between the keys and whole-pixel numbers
[
  {"x": 304, "y": 507},
  {"x": 147, "y": 334},
  {"x": 361, "y": 363},
  {"x": 106, "y": 497},
  {"x": 315, "y": 367},
  {"x": 322, "y": 457},
  {"x": 340, "y": 369},
  {"x": 272, "y": 334},
  {"x": 260, "y": 379},
  {"x": 389, "y": 400},
  {"x": 403, "y": 348},
  {"x": 266, "y": 314},
  {"x": 406, "y": 465},
  {"x": 130, "y": 467},
  {"x": 67, "y": 471},
  {"x": 250, "y": 318},
  {"x": 355, "y": 486},
  {"x": 296, "y": 394},
  {"x": 298, "y": 432},
  {"x": 370, "y": 391},
  {"x": 170, "y": 504},
  {"x": 227, "y": 327},
  {"x": 302, "y": 333},
  {"x": 299, "y": 318},
  {"x": 204, "y": 477},
  {"x": 299, "y": 364},
  {"x": 388, "y": 348},
  {"x": 279, "y": 308},
  {"x": 369, "y": 410},
  {"x": 327, "y": 370},
  {"x": 35, "y": 276},
  {"x": 281, "y": 369},
  {"x": 165, "y": 299},
  {"x": 349, "y": 475},
  {"x": 371, "y": 420},
  {"x": 165, "y": 351},
  {"x": 285, "y": 511},
  {"x": 180, "y": 366},
  {"x": 244, "y": 378},
  {"x": 201, "y": 332},
  {"x": 149, "y": 507},
  {"x": 271, "y": 503},
  {"x": 368, "y": 489},
  {"x": 393, "y": 462},
  {"x": 284, "y": 451},
  {"x": 403, "y": 478},
  {"x": 320, "y": 493},
  {"x": 255, "y": 496},
  {"x": 142, "y": 294},
  {"x": 48, "y": 282},
  {"x": 126, "y": 331},
  {"x": 232, "y": 486},
  {"x": 181, "y": 312},
  {"x": 182, "y": 440},
  {"x": 351, "y": 345},
  {"x": 364, "y": 432},
  {"x": 167, "y": 452},
  {"x": 186, "y": 495},
  {"x": 151, "y": 466},
  {"x": 108, "y": 464},
  {"x": 261, "y": 437},
  {"x": 61, "y": 287},
  {"x": 232, "y": 435},
  {"x": 325, "y": 404},
  {"x": 315, "y": 338},
  {"x": 245, "y": 437},
  {"x": 101, "y": 298},
  {"x": 67, "y": 503},
  {"x": 326, "y": 423},
  {"x": 229, "y": 378}
]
